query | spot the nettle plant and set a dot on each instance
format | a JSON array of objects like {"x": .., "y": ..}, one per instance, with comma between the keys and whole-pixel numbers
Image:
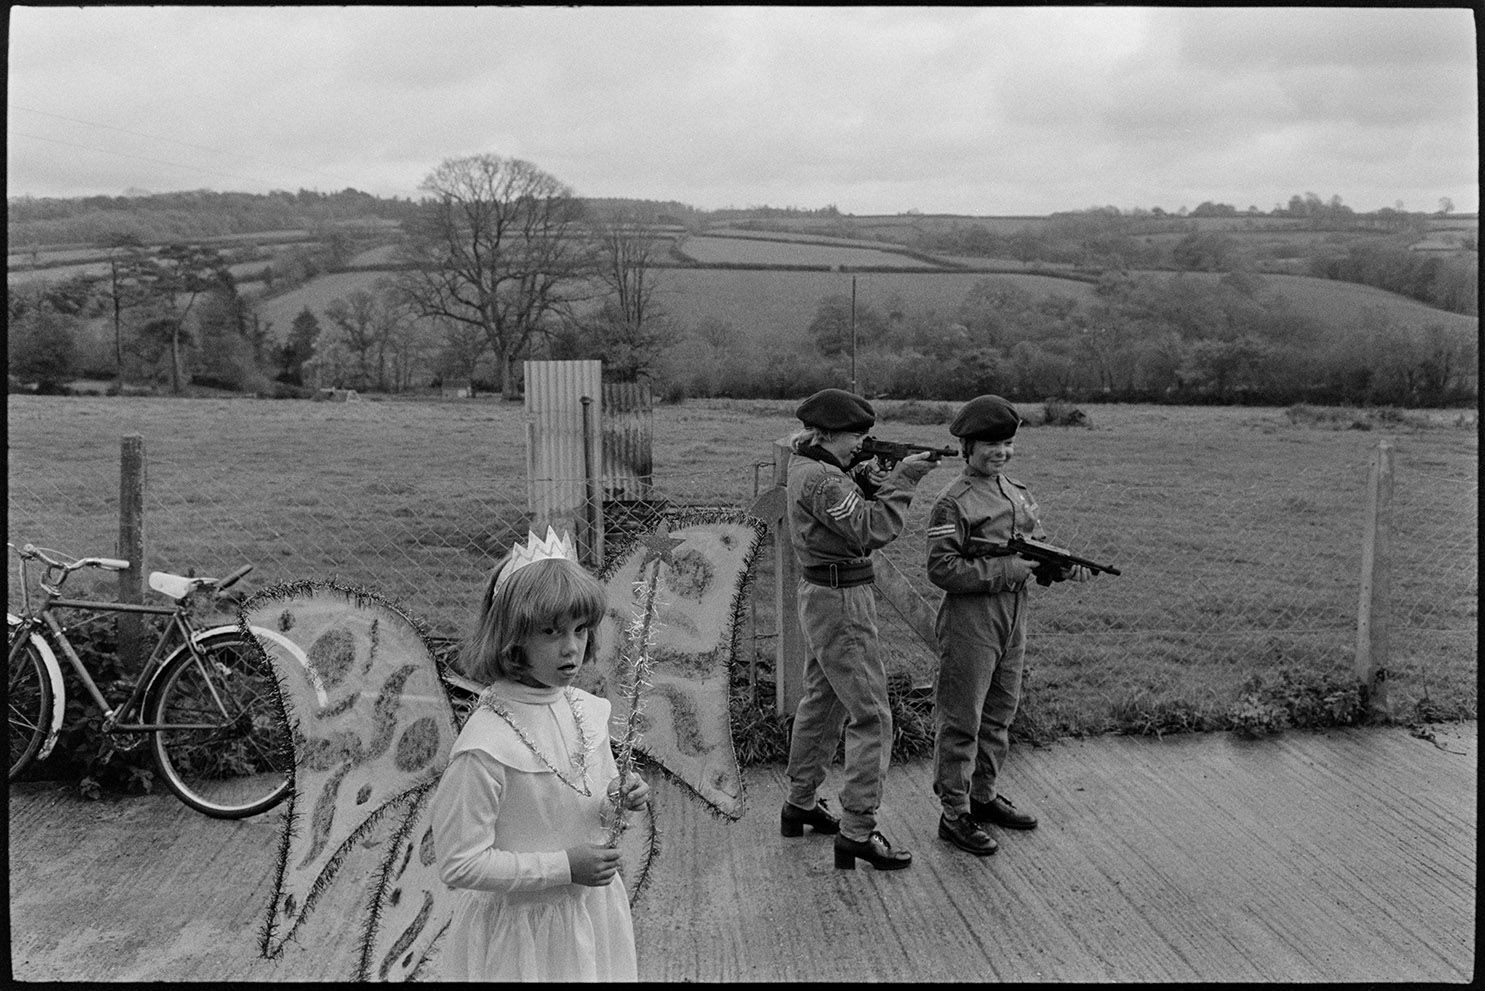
[
  {"x": 99, "y": 762},
  {"x": 1300, "y": 701}
]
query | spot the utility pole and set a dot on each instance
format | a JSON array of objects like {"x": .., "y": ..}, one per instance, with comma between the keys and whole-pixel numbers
[{"x": 853, "y": 333}]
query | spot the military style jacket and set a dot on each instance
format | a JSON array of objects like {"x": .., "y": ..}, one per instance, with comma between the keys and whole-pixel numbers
[
  {"x": 988, "y": 507},
  {"x": 831, "y": 521}
]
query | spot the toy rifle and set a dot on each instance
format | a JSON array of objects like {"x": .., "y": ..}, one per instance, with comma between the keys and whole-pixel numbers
[
  {"x": 1053, "y": 562},
  {"x": 890, "y": 452}
]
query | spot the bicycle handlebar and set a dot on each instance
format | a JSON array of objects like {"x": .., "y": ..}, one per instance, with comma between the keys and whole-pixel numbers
[
  {"x": 233, "y": 578},
  {"x": 41, "y": 554}
]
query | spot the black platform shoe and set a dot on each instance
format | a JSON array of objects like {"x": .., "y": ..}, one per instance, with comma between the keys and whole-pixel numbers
[
  {"x": 876, "y": 851},
  {"x": 793, "y": 819},
  {"x": 1000, "y": 812}
]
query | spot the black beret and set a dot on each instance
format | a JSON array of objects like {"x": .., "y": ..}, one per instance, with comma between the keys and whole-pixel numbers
[
  {"x": 836, "y": 409},
  {"x": 986, "y": 418}
]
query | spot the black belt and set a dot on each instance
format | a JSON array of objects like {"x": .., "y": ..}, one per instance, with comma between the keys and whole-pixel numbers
[{"x": 839, "y": 575}]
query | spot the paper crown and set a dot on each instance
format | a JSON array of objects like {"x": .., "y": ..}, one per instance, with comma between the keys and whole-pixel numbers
[{"x": 536, "y": 549}]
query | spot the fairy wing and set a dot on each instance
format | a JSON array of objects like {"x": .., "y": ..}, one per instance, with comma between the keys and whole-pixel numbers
[
  {"x": 704, "y": 565},
  {"x": 371, "y": 725},
  {"x": 372, "y": 721}
]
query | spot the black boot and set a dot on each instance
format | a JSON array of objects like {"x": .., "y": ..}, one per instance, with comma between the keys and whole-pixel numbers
[
  {"x": 1000, "y": 812},
  {"x": 876, "y": 851},
  {"x": 966, "y": 834},
  {"x": 793, "y": 819}
]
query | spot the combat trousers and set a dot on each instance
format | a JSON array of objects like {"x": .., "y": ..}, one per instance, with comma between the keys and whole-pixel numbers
[
  {"x": 982, "y": 654},
  {"x": 845, "y": 686}
]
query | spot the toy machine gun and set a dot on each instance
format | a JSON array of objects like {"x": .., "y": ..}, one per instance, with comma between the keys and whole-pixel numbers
[
  {"x": 890, "y": 452},
  {"x": 1054, "y": 562}
]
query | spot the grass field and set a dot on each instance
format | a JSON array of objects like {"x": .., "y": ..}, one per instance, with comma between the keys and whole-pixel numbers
[
  {"x": 779, "y": 305},
  {"x": 1239, "y": 530},
  {"x": 751, "y": 251}
]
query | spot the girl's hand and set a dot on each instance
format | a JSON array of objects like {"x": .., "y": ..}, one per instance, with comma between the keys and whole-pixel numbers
[
  {"x": 872, "y": 472},
  {"x": 1079, "y": 574},
  {"x": 1018, "y": 569},
  {"x": 636, "y": 792},
  {"x": 592, "y": 865}
]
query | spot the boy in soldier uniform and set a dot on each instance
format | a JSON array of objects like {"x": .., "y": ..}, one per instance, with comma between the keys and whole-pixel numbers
[
  {"x": 981, "y": 625},
  {"x": 834, "y": 524}
]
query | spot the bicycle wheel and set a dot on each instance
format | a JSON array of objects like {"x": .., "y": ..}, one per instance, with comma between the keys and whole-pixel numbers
[
  {"x": 29, "y": 702},
  {"x": 225, "y": 748}
]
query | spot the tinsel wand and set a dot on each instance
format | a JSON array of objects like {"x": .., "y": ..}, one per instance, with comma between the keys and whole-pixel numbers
[{"x": 639, "y": 642}]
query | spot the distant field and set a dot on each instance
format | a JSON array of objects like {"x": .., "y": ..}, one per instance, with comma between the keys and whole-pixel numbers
[
  {"x": 381, "y": 255},
  {"x": 20, "y": 271},
  {"x": 890, "y": 225},
  {"x": 853, "y": 242},
  {"x": 280, "y": 311},
  {"x": 54, "y": 273},
  {"x": 744, "y": 251},
  {"x": 774, "y": 305},
  {"x": 18, "y": 259},
  {"x": 782, "y": 303},
  {"x": 244, "y": 273},
  {"x": 766, "y": 302},
  {"x": 1343, "y": 305}
]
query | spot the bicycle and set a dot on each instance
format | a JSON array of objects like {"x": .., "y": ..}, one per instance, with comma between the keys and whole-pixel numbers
[{"x": 209, "y": 706}]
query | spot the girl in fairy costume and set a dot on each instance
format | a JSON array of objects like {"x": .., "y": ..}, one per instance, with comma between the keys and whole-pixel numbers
[{"x": 521, "y": 813}]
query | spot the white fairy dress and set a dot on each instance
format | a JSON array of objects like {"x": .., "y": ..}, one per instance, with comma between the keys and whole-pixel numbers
[{"x": 509, "y": 805}]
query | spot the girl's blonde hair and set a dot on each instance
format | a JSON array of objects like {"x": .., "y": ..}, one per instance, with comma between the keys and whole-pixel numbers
[
  {"x": 813, "y": 435},
  {"x": 539, "y": 595}
]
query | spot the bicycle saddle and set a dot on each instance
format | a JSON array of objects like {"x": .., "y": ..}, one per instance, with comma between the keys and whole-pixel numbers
[{"x": 175, "y": 586}]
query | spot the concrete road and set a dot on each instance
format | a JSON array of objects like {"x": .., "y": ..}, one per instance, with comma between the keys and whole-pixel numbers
[{"x": 1345, "y": 856}]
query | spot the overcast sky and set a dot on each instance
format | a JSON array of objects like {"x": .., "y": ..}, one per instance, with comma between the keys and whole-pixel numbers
[{"x": 975, "y": 110}]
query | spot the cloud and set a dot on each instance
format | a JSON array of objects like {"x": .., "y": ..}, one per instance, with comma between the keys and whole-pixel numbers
[{"x": 875, "y": 109}]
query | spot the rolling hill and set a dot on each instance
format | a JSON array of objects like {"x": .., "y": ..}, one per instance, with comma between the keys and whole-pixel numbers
[
  {"x": 767, "y": 284},
  {"x": 781, "y": 303}
]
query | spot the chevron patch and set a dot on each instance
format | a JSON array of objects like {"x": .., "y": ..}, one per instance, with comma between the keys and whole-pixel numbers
[
  {"x": 845, "y": 507},
  {"x": 935, "y": 532}
]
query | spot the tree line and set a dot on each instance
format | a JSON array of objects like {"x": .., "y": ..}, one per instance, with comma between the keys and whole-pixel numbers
[{"x": 162, "y": 218}]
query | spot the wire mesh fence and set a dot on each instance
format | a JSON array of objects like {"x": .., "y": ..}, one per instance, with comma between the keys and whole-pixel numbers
[{"x": 1270, "y": 570}]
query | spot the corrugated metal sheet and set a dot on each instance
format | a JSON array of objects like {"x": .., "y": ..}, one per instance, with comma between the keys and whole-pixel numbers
[
  {"x": 628, "y": 440},
  {"x": 556, "y": 459}
]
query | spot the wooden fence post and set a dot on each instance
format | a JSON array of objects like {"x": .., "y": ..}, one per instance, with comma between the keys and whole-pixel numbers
[
  {"x": 131, "y": 548},
  {"x": 789, "y": 648},
  {"x": 1376, "y": 566}
]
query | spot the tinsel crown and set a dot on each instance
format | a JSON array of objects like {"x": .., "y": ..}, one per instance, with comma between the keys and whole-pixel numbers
[{"x": 536, "y": 549}]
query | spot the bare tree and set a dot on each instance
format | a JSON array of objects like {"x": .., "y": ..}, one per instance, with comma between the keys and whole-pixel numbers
[
  {"x": 629, "y": 330},
  {"x": 400, "y": 339},
  {"x": 496, "y": 247},
  {"x": 625, "y": 249}
]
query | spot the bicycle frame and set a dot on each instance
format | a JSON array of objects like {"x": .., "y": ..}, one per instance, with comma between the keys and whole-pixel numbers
[
  {"x": 33, "y": 624},
  {"x": 178, "y": 625}
]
